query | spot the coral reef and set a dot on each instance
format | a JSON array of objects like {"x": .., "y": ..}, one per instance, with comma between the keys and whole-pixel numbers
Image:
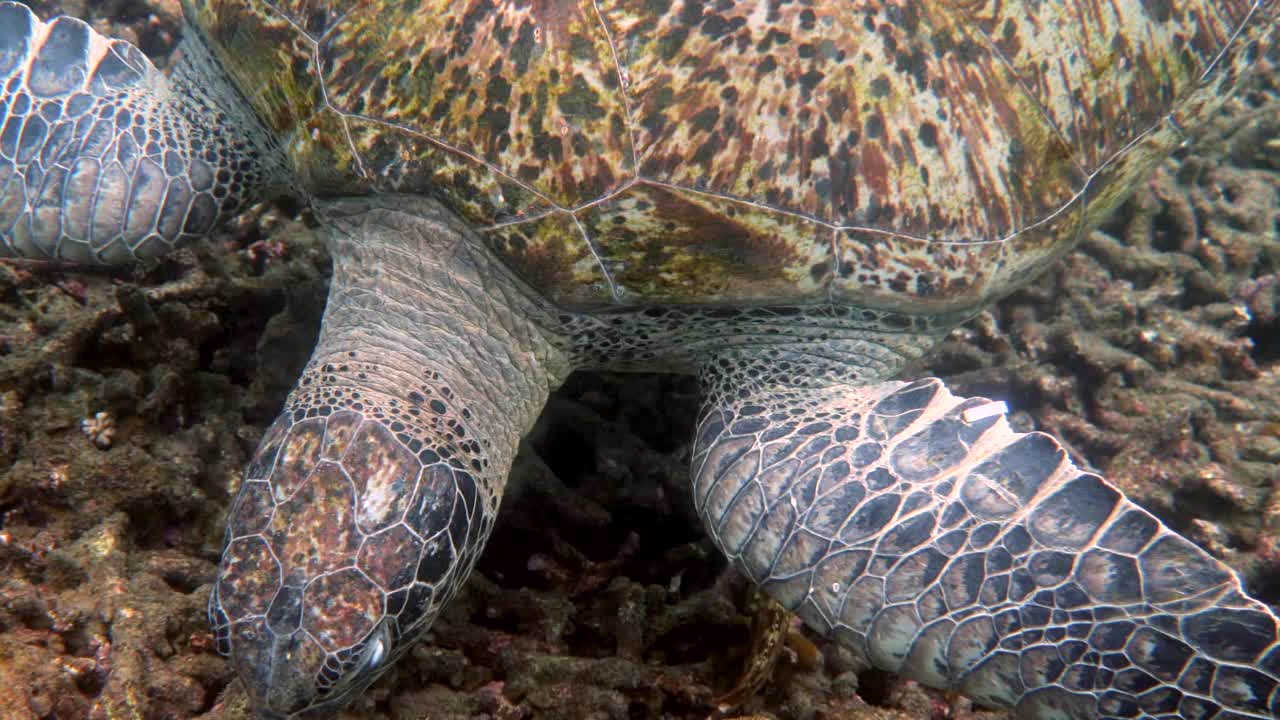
[{"x": 1153, "y": 351}]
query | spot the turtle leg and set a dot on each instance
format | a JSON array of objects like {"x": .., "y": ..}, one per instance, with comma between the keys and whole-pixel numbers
[
  {"x": 371, "y": 496},
  {"x": 924, "y": 533},
  {"x": 104, "y": 159}
]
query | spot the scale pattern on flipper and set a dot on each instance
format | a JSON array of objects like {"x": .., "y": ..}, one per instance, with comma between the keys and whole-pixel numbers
[
  {"x": 971, "y": 557},
  {"x": 103, "y": 159}
]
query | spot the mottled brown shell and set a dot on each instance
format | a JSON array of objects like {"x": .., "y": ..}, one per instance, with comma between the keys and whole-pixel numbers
[{"x": 915, "y": 155}]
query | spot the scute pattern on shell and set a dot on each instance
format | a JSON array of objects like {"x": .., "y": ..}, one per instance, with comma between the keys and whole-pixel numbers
[{"x": 912, "y": 155}]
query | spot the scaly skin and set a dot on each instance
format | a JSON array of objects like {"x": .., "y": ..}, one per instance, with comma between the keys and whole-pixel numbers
[
  {"x": 970, "y": 557},
  {"x": 105, "y": 160},
  {"x": 371, "y": 496}
]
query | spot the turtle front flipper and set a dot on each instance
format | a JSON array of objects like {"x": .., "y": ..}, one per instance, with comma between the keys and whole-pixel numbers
[
  {"x": 917, "y": 528},
  {"x": 103, "y": 159}
]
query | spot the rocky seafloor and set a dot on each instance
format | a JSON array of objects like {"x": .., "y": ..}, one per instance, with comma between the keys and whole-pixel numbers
[{"x": 130, "y": 400}]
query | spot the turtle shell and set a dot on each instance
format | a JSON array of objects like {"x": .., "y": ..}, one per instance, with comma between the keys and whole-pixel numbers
[{"x": 909, "y": 155}]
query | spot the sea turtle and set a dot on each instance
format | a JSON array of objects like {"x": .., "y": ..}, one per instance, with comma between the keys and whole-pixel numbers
[{"x": 789, "y": 199}]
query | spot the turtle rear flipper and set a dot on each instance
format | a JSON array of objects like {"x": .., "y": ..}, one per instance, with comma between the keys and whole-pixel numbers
[
  {"x": 104, "y": 159},
  {"x": 919, "y": 529}
]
